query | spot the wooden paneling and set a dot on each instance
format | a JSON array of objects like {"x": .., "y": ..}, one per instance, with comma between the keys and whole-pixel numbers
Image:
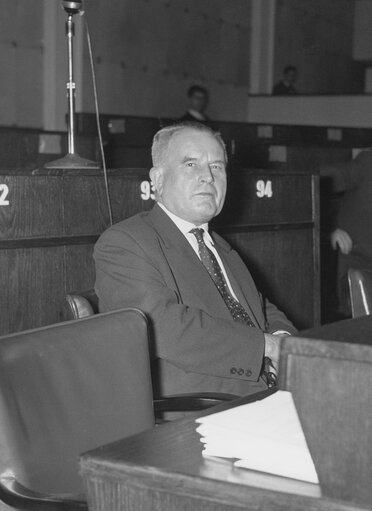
[
  {"x": 84, "y": 205},
  {"x": 330, "y": 385},
  {"x": 34, "y": 286},
  {"x": 47, "y": 234},
  {"x": 305, "y": 158},
  {"x": 26, "y": 148},
  {"x": 127, "y": 195},
  {"x": 288, "y": 148},
  {"x": 267, "y": 198},
  {"x": 282, "y": 265},
  {"x": 54, "y": 218},
  {"x": 35, "y": 207},
  {"x": 119, "y": 156}
]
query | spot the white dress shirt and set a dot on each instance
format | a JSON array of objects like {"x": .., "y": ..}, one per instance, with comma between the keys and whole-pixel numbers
[
  {"x": 198, "y": 115},
  {"x": 185, "y": 227}
]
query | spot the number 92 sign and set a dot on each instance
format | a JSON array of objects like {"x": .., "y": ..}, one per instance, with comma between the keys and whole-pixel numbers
[{"x": 4, "y": 190}]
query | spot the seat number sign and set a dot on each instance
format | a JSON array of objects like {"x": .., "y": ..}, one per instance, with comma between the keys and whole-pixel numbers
[
  {"x": 264, "y": 189},
  {"x": 4, "y": 190},
  {"x": 147, "y": 190}
]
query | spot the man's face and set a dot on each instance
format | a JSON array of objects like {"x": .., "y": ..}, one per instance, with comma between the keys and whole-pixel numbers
[
  {"x": 198, "y": 101},
  {"x": 191, "y": 182}
]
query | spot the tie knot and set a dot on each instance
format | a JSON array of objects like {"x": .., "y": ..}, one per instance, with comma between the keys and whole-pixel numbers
[{"x": 198, "y": 233}]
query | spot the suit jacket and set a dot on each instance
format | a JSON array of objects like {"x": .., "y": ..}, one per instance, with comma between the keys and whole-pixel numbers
[
  {"x": 146, "y": 262},
  {"x": 189, "y": 117},
  {"x": 354, "y": 178}
]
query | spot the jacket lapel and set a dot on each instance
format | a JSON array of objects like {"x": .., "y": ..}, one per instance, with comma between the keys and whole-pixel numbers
[{"x": 183, "y": 260}]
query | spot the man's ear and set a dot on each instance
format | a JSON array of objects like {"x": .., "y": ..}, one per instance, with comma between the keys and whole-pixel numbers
[{"x": 156, "y": 176}]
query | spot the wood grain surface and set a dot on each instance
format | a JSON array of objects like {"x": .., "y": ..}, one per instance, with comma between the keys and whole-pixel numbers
[
  {"x": 163, "y": 469},
  {"x": 54, "y": 217}
]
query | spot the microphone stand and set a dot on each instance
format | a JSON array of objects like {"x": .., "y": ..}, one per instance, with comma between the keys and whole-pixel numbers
[{"x": 72, "y": 160}]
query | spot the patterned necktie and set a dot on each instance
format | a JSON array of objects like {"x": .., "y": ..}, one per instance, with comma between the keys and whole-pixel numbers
[
  {"x": 210, "y": 262},
  {"x": 237, "y": 311}
]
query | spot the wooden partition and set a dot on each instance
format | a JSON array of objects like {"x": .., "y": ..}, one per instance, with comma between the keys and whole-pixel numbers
[
  {"x": 51, "y": 219},
  {"x": 330, "y": 383},
  {"x": 290, "y": 148},
  {"x": 31, "y": 148}
]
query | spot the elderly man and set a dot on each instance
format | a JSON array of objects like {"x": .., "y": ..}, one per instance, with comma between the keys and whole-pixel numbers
[{"x": 211, "y": 328}]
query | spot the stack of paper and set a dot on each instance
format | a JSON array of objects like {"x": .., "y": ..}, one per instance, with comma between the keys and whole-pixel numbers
[{"x": 265, "y": 435}]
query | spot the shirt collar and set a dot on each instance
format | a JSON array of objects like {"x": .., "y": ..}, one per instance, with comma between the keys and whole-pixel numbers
[
  {"x": 183, "y": 225},
  {"x": 197, "y": 115}
]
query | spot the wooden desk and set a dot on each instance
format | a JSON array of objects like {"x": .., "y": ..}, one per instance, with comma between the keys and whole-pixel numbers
[
  {"x": 163, "y": 469},
  {"x": 357, "y": 331}
]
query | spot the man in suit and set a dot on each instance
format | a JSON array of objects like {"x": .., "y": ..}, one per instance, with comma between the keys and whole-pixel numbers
[
  {"x": 286, "y": 86},
  {"x": 352, "y": 235},
  {"x": 210, "y": 327},
  {"x": 198, "y": 101}
]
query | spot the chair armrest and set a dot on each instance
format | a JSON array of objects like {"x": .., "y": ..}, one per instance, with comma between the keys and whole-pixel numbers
[
  {"x": 190, "y": 402},
  {"x": 18, "y": 496}
]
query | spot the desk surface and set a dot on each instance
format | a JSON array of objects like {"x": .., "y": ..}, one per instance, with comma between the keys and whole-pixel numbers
[
  {"x": 164, "y": 469},
  {"x": 357, "y": 331}
]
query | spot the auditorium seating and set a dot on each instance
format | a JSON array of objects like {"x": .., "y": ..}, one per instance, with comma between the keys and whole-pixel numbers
[
  {"x": 51, "y": 219},
  {"x": 82, "y": 304},
  {"x": 67, "y": 388}
]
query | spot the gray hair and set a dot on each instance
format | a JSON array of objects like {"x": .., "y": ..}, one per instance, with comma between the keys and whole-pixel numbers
[{"x": 163, "y": 137}]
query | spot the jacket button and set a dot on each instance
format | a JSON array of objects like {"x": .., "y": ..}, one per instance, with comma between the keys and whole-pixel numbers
[
  {"x": 233, "y": 370},
  {"x": 248, "y": 372},
  {"x": 240, "y": 372}
]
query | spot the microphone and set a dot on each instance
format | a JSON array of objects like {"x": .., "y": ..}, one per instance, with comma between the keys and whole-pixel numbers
[{"x": 72, "y": 7}]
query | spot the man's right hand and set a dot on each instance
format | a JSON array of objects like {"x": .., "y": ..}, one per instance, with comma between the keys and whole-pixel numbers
[
  {"x": 272, "y": 350},
  {"x": 342, "y": 240}
]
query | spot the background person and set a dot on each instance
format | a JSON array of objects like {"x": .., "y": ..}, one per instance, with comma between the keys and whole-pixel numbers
[
  {"x": 198, "y": 98},
  {"x": 286, "y": 86},
  {"x": 352, "y": 235}
]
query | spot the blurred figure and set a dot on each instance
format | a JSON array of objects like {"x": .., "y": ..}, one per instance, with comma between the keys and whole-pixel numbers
[
  {"x": 286, "y": 86},
  {"x": 352, "y": 236},
  {"x": 198, "y": 102}
]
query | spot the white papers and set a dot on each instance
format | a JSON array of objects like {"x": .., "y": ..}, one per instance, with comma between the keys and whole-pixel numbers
[{"x": 265, "y": 435}]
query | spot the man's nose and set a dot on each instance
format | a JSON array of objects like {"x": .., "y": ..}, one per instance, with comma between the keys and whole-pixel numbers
[{"x": 206, "y": 174}]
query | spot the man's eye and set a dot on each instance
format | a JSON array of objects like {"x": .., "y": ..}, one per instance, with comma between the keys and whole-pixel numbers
[
  {"x": 215, "y": 167},
  {"x": 190, "y": 164}
]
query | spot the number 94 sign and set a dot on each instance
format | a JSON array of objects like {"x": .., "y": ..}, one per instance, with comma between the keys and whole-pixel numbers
[{"x": 264, "y": 189}]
